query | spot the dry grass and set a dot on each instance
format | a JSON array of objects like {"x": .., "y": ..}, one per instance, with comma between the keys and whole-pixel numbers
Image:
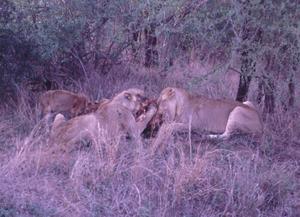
[{"x": 240, "y": 177}]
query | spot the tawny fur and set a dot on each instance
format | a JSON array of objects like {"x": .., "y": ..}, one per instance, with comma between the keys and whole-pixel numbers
[
  {"x": 216, "y": 116},
  {"x": 62, "y": 101},
  {"x": 113, "y": 118}
]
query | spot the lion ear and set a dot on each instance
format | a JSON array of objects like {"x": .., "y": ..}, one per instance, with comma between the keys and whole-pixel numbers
[
  {"x": 171, "y": 92},
  {"x": 127, "y": 96}
]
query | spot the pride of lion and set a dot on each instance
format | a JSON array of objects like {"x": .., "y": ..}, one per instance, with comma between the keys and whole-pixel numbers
[
  {"x": 113, "y": 118},
  {"x": 130, "y": 113}
]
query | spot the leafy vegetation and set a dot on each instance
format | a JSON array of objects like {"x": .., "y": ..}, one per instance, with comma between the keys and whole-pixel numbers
[
  {"x": 238, "y": 49},
  {"x": 75, "y": 37}
]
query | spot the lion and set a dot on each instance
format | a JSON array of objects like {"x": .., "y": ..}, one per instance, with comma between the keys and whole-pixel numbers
[
  {"x": 62, "y": 101},
  {"x": 218, "y": 116},
  {"x": 115, "y": 117}
]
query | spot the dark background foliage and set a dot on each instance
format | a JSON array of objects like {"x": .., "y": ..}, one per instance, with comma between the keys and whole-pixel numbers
[
  {"x": 45, "y": 40},
  {"x": 233, "y": 49}
]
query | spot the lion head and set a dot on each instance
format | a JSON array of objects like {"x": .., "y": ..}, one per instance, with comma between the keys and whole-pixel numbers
[{"x": 131, "y": 99}]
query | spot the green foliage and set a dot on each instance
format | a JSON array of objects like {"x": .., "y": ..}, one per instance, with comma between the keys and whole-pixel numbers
[
  {"x": 57, "y": 26},
  {"x": 69, "y": 35}
]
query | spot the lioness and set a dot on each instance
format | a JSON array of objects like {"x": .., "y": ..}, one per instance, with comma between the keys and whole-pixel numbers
[
  {"x": 221, "y": 117},
  {"x": 55, "y": 101},
  {"x": 113, "y": 118}
]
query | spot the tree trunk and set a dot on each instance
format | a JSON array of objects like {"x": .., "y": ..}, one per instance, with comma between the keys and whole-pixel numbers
[
  {"x": 269, "y": 96},
  {"x": 247, "y": 70},
  {"x": 98, "y": 42},
  {"x": 136, "y": 38},
  {"x": 151, "y": 54},
  {"x": 243, "y": 88},
  {"x": 248, "y": 64},
  {"x": 260, "y": 94},
  {"x": 266, "y": 89},
  {"x": 250, "y": 36},
  {"x": 291, "y": 92}
]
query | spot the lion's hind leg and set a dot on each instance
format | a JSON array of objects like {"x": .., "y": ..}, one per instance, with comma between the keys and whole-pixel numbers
[{"x": 241, "y": 120}]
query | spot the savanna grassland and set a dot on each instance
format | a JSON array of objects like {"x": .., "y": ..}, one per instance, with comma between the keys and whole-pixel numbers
[
  {"x": 243, "y": 176},
  {"x": 234, "y": 49}
]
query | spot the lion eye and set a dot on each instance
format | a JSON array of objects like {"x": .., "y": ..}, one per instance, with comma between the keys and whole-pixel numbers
[{"x": 128, "y": 96}]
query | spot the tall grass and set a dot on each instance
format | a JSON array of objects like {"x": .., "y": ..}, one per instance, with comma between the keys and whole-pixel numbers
[{"x": 240, "y": 177}]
